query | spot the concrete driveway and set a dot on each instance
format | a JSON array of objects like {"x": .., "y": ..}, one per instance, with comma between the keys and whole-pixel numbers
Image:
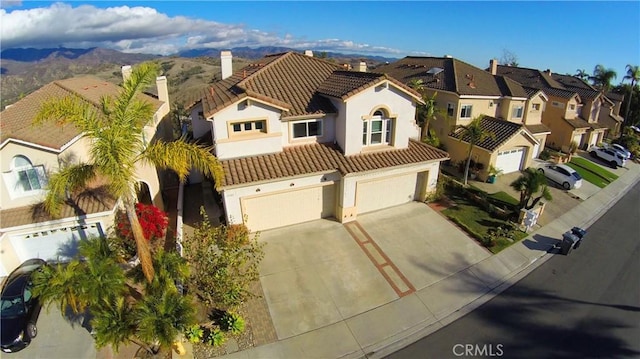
[
  {"x": 323, "y": 272},
  {"x": 57, "y": 339}
]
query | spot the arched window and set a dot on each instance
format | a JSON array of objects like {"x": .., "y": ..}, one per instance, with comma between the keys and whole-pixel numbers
[
  {"x": 26, "y": 177},
  {"x": 377, "y": 130}
]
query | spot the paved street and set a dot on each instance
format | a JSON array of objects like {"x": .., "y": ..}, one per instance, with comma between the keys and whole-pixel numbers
[{"x": 585, "y": 305}]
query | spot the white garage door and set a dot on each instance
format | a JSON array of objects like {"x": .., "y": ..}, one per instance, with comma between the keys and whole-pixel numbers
[
  {"x": 510, "y": 160},
  {"x": 386, "y": 192},
  {"x": 58, "y": 244},
  {"x": 283, "y": 209}
]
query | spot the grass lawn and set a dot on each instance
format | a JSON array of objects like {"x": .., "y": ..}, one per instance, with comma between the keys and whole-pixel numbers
[
  {"x": 592, "y": 172},
  {"x": 477, "y": 222},
  {"x": 504, "y": 197}
]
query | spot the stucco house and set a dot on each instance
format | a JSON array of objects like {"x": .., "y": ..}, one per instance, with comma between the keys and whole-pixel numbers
[
  {"x": 29, "y": 153},
  {"x": 512, "y": 113},
  {"x": 301, "y": 138},
  {"x": 573, "y": 110},
  {"x": 610, "y": 114}
]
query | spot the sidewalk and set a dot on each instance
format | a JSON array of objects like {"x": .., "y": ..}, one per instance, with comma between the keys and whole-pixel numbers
[{"x": 387, "y": 328}]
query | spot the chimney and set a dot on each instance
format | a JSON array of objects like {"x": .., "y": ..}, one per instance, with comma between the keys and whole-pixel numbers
[
  {"x": 493, "y": 66},
  {"x": 126, "y": 72},
  {"x": 308, "y": 53},
  {"x": 163, "y": 90},
  {"x": 362, "y": 66},
  {"x": 226, "y": 64},
  {"x": 448, "y": 56}
]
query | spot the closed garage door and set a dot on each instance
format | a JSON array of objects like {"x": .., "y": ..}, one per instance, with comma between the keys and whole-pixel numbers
[
  {"x": 58, "y": 244},
  {"x": 510, "y": 160},
  {"x": 283, "y": 209},
  {"x": 386, "y": 192}
]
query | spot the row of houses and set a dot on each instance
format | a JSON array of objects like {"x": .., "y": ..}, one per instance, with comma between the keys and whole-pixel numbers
[{"x": 302, "y": 138}]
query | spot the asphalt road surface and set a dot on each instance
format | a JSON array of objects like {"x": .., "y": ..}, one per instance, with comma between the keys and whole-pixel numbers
[{"x": 584, "y": 305}]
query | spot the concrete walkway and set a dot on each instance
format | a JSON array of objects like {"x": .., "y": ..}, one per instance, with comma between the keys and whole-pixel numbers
[{"x": 437, "y": 293}]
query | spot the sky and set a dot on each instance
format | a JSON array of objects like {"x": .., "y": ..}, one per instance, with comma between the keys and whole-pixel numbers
[{"x": 561, "y": 36}]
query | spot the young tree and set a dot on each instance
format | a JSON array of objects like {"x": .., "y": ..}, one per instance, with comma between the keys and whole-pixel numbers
[
  {"x": 473, "y": 134},
  {"x": 509, "y": 58},
  {"x": 224, "y": 262},
  {"x": 528, "y": 184},
  {"x": 426, "y": 113},
  {"x": 115, "y": 129}
]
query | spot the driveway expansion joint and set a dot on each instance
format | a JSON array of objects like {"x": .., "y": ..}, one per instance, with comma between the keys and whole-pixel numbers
[{"x": 380, "y": 260}]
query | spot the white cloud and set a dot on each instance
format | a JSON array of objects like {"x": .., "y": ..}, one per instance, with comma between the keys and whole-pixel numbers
[{"x": 144, "y": 30}]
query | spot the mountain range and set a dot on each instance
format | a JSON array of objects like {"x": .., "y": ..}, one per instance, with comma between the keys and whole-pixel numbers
[{"x": 24, "y": 70}]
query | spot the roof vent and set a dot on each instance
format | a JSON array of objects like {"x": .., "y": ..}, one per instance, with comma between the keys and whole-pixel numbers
[{"x": 435, "y": 70}]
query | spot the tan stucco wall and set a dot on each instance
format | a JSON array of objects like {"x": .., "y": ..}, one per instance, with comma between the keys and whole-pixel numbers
[{"x": 531, "y": 116}]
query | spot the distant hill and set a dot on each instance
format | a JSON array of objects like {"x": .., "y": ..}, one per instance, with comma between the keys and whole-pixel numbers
[{"x": 25, "y": 70}]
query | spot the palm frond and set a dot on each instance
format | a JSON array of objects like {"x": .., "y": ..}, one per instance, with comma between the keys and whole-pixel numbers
[
  {"x": 66, "y": 180},
  {"x": 69, "y": 110},
  {"x": 180, "y": 156}
]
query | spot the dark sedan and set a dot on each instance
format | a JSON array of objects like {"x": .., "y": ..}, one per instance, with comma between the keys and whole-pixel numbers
[{"x": 19, "y": 308}]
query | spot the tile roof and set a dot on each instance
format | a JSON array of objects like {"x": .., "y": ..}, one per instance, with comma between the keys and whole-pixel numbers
[
  {"x": 16, "y": 120},
  {"x": 294, "y": 82},
  {"x": 539, "y": 128},
  {"x": 287, "y": 80},
  {"x": 318, "y": 158},
  {"x": 578, "y": 122},
  {"x": 456, "y": 76},
  {"x": 501, "y": 129},
  {"x": 88, "y": 202},
  {"x": 615, "y": 96},
  {"x": 344, "y": 84}
]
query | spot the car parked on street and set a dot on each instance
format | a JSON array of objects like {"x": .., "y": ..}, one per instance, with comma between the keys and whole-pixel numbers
[
  {"x": 564, "y": 175},
  {"x": 608, "y": 155},
  {"x": 19, "y": 309}
]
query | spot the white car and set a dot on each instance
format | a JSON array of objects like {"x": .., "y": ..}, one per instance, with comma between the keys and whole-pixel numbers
[
  {"x": 608, "y": 155},
  {"x": 563, "y": 175},
  {"x": 622, "y": 150}
]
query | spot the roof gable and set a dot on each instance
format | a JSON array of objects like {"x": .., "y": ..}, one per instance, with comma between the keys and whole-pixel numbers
[{"x": 501, "y": 129}]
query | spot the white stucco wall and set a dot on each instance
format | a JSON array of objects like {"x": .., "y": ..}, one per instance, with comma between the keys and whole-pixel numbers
[
  {"x": 241, "y": 146},
  {"x": 366, "y": 102},
  {"x": 328, "y": 131}
]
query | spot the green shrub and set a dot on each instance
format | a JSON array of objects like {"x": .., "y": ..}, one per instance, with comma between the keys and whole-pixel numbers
[
  {"x": 194, "y": 333},
  {"x": 232, "y": 322},
  {"x": 544, "y": 155},
  {"x": 214, "y": 337}
]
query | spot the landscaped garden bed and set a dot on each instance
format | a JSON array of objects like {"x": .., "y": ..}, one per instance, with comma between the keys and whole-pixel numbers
[{"x": 485, "y": 217}]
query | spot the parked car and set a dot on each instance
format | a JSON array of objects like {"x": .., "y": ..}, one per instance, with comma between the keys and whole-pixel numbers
[
  {"x": 622, "y": 150},
  {"x": 563, "y": 175},
  {"x": 608, "y": 155},
  {"x": 19, "y": 309}
]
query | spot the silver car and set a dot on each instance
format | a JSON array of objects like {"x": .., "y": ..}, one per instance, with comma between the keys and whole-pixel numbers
[{"x": 563, "y": 175}]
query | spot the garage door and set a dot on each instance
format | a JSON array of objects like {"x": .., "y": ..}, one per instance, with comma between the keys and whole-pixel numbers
[
  {"x": 58, "y": 244},
  {"x": 386, "y": 192},
  {"x": 291, "y": 207},
  {"x": 510, "y": 160}
]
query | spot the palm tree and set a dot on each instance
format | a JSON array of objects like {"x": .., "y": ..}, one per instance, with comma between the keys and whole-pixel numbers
[
  {"x": 529, "y": 183},
  {"x": 633, "y": 75},
  {"x": 602, "y": 77},
  {"x": 582, "y": 74},
  {"x": 427, "y": 112},
  {"x": 115, "y": 130},
  {"x": 473, "y": 133}
]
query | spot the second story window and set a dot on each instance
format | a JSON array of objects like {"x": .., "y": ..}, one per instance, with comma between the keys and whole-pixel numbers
[
  {"x": 377, "y": 130},
  {"x": 249, "y": 127},
  {"x": 517, "y": 112},
  {"x": 24, "y": 179},
  {"x": 536, "y": 107},
  {"x": 450, "y": 109},
  {"x": 310, "y": 128},
  {"x": 465, "y": 111}
]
